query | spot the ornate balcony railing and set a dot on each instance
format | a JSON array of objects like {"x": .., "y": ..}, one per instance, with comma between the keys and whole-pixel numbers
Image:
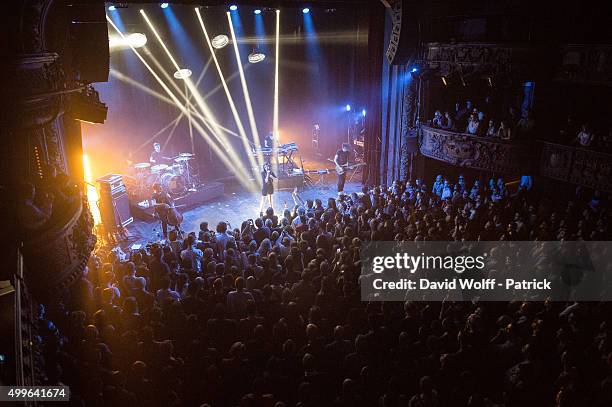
[
  {"x": 481, "y": 153},
  {"x": 592, "y": 169},
  {"x": 589, "y": 168},
  {"x": 57, "y": 255}
]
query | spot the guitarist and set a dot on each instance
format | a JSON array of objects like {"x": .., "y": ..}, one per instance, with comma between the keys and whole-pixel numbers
[{"x": 341, "y": 160}]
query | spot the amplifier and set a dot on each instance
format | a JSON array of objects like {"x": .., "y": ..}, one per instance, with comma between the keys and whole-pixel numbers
[
  {"x": 114, "y": 202},
  {"x": 112, "y": 183}
]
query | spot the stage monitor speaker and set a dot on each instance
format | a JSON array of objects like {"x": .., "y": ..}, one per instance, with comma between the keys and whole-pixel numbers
[
  {"x": 404, "y": 38},
  {"x": 89, "y": 40}
]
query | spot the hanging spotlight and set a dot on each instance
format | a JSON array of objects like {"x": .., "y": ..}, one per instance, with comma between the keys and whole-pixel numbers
[
  {"x": 256, "y": 56},
  {"x": 136, "y": 40},
  {"x": 112, "y": 8},
  {"x": 220, "y": 41},
  {"x": 233, "y": 7},
  {"x": 444, "y": 81},
  {"x": 415, "y": 69},
  {"x": 183, "y": 73},
  {"x": 164, "y": 5},
  {"x": 348, "y": 108},
  {"x": 257, "y": 11},
  {"x": 363, "y": 113},
  {"x": 305, "y": 10}
]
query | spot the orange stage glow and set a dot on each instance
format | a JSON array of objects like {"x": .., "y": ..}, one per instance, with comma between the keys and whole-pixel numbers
[{"x": 91, "y": 191}]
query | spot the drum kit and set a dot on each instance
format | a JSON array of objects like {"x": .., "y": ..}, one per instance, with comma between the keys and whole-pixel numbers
[{"x": 175, "y": 178}]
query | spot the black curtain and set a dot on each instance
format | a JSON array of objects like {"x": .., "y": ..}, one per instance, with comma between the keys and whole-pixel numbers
[{"x": 376, "y": 37}]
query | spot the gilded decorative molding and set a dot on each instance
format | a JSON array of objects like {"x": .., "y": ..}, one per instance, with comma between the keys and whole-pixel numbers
[
  {"x": 57, "y": 256},
  {"x": 464, "y": 150},
  {"x": 556, "y": 161},
  {"x": 590, "y": 64},
  {"x": 465, "y": 58}
]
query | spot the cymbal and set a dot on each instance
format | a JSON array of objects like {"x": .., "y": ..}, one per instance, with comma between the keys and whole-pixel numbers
[
  {"x": 141, "y": 166},
  {"x": 186, "y": 155},
  {"x": 159, "y": 167},
  {"x": 181, "y": 159}
]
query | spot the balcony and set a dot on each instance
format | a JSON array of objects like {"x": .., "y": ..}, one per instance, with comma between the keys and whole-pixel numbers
[
  {"x": 477, "y": 152},
  {"x": 592, "y": 169},
  {"x": 589, "y": 168}
]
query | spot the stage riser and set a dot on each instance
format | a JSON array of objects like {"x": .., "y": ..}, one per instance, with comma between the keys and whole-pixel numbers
[
  {"x": 290, "y": 182},
  {"x": 205, "y": 193}
]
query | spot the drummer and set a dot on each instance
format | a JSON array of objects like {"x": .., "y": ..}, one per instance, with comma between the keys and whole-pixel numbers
[{"x": 157, "y": 157}]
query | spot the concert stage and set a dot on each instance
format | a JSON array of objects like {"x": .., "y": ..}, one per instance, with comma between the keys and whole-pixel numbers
[{"x": 235, "y": 206}]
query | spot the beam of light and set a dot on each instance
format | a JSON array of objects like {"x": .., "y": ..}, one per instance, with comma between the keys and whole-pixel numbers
[
  {"x": 137, "y": 40},
  {"x": 207, "y": 121},
  {"x": 331, "y": 37},
  {"x": 276, "y": 59},
  {"x": 241, "y": 175},
  {"x": 159, "y": 96},
  {"x": 230, "y": 99},
  {"x": 215, "y": 130},
  {"x": 245, "y": 89},
  {"x": 91, "y": 191},
  {"x": 174, "y": 126},
  {"x": 260, "y": 31}
]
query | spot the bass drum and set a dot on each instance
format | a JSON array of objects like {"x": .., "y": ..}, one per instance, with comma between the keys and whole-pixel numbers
[{"x": 174, "y": 184}]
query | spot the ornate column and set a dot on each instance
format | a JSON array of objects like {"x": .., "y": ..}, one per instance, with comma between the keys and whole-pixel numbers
[{"x": 408, "y": 128}]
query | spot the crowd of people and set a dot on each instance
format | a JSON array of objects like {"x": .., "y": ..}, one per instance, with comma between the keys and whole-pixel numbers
[
  {"x": 488, "y": 121},
  {"x": 485, "y": 121},
  {"x": 270, "y": 313}
]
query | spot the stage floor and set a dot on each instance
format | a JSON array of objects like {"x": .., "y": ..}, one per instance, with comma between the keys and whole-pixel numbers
[{"x": 235, "y": 206}]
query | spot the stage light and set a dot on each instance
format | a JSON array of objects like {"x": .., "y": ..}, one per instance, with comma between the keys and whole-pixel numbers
[
  {"x": 275, "y": 117},
  {"x": 257, "y": 11},
  {"x": 305, "y": 10},
  {"x": 444, "y": 81},
  {"x": 220, "y": 41},
  {"x": 164, "y": 5},
  {"x": 112, "y": 8},
  {"x": 413, "y": 70},
  {"x": 136, "y": 40},
  {"x": 233, "y": 7},
  {"x": 183, "y": 73},
  {"x": 245, "y": 88},
  {"x": 230, "y": 99},
  {"x": 348, "y": 108},
  {"x": 363, "y": 113},
  {"x": 256, "y": 56}
]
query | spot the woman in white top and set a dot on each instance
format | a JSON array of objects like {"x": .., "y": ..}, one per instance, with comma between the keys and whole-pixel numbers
[
  {"x": 585, "y": 137},
  {"x": 473, "y": 123}
]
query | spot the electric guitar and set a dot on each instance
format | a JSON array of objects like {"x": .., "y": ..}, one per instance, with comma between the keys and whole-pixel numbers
[{"x": 339, "y": 169}]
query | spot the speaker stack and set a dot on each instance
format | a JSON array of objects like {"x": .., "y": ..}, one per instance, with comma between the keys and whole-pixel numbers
[{"x": 114, "y": 202}]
